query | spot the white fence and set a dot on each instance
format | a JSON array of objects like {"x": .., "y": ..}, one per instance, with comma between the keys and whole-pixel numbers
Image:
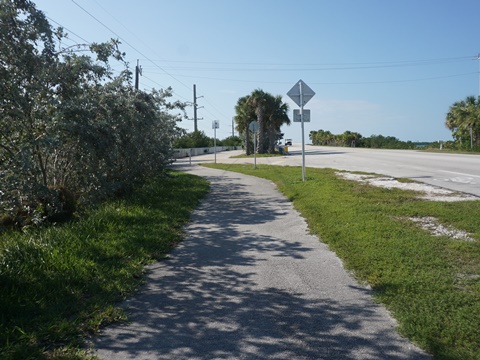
[{"x": 181, "y": 153}]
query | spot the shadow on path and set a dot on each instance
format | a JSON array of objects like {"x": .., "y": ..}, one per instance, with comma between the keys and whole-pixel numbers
[{"x": 233, "y": 290}]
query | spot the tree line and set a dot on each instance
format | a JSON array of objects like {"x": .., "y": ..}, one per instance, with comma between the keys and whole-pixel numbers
[
  {"x": 198, "y": 139},
  {"x": 354, "y": 139},
  {"x": 71, "y": 129}
]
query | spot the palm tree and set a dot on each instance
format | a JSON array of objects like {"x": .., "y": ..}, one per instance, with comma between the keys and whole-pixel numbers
[
  {"x": 463, "y": 119},
  {"x": 270, "y": 112},
  {"x": 454, "y": 119},
  {"x": 244, "y": 115},
  {"x": 260, "y": 100},
  {"x": 278, "y": 116},
  {"x": 471, "y": 123},
  {"x": 328, "y": 138}
]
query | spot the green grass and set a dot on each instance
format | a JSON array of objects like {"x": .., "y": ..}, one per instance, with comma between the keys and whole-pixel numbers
[
  {"x": 63, "y": 283},
  {"x": 430, "y": 284},
  {"x": 60, "y": 284}
]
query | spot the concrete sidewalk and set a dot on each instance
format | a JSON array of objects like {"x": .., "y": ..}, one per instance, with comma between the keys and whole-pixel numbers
[{"x": 249, "y": 282}]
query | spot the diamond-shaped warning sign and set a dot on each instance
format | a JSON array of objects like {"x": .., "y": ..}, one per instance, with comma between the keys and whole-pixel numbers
[{"x": 304, "y": 89}]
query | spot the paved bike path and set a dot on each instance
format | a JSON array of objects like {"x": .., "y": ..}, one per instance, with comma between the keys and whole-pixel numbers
[{"x": 249, "y": 282}]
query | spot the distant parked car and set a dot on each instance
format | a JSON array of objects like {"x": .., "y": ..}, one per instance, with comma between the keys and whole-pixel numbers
[{"x": 288, "y": 142}]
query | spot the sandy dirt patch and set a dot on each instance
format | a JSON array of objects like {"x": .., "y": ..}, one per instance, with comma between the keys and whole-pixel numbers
[
  {"x": 433, "y": 226},
  {"x": 430, "y": 192}
]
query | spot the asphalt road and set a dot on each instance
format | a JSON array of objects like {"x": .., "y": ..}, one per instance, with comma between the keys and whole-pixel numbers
[
  {"x": 249, "y": 282},
  {"x": 451, "y": 171}
]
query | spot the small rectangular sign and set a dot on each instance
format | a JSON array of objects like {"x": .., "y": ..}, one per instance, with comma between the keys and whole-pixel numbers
[
  {"x": 296, "y": 115},
  {"x": 215, "y": 124}
]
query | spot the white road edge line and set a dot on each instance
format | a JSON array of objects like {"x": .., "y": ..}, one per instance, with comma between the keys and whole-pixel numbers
[{"x": 459, "y": 173}]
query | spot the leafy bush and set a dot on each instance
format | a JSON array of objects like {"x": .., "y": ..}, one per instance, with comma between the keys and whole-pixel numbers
[
  {"x": 68, "y": 125},
  {"x": 195, "y": 139},
  {"x": 232, "y": 141}
]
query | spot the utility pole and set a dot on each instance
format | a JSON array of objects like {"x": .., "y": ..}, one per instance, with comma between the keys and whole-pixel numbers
[
  {"x": 138, "y": 71},
  {"x": 478, "y": 59},
  {"x": 233, "y": 129},
  {"x": 195, "y": 107},
  {"x": 195, "y": 127}
]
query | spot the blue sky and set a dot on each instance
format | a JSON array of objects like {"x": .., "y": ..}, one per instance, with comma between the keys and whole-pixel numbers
[{"x": 377, "y": 66}]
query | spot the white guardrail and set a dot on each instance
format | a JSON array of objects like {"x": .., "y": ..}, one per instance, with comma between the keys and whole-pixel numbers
[{"x": 181, "y": 153}]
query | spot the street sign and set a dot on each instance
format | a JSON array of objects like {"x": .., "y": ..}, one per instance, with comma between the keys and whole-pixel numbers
[
  {"x": 296, "y": 115},
  {"x": 253, "y": 126},
  {"x": 294, "y": 93},
  {"x": 215, "y": 124},
  {"x": 300, "y": 93}
]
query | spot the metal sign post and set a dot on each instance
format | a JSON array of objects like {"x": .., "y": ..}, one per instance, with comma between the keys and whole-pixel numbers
[
  {"x": 255, "y": 150},
  {"x": 215, "y": 126},
  {"x": 253, "y": 128},
  {"x": 300, "y": 93}
]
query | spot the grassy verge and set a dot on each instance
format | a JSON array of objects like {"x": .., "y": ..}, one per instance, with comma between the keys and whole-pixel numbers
[
  {"x": 430, "y": 284},
  {"x": 62, "y": 283}
]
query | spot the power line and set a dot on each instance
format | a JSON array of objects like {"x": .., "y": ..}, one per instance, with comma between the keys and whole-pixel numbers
[
  {"x": 393, "y": 81},
  {"x": 126, "y": 42},
  {"x": 213, "y": 106},
  {"x": 119, "y": 22},
  {"x": 290, "y": 69},
  {"x": 329, "y": 83},
  {"x": 89, "y": 43},
  {"x": 340, "y": 65},
  {"x": 70, "y": 31},
  {"x": 105, "y": 26},
  {"x": 162, "y": 86}
]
